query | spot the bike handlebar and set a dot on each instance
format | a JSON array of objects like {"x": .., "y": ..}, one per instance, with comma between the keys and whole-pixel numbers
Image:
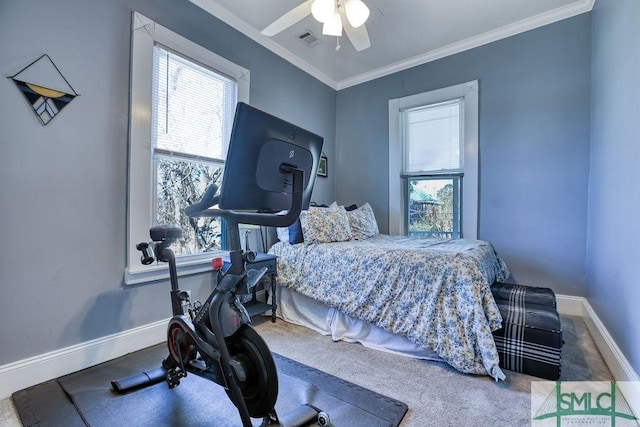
[
  {"x": 208, "y": 199},
  {"x": 147, "y": 253},
  {"x": 202, "y": 208}
]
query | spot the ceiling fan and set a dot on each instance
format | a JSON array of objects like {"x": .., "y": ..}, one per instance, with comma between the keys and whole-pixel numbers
[{"x": 334, "y": 15}]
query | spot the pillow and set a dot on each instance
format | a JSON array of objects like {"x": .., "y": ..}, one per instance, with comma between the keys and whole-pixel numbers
[
  {"x": 291, "y": 234},
  {"x": 295, "y": 232},
  {"x": 363, "y": 222},
  {"x": 283, "y": 234},
  {"x": 335, "y": 205},
  {"x": 322, "y": 225}
]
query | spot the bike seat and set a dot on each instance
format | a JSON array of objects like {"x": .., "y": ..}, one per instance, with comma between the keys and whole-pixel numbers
[{"x": 165, "y": 232}]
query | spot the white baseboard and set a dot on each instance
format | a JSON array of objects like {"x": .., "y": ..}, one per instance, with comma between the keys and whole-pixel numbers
[
  {"x": 34, "y": 370},
  {"x": 618, "y": 364},
  {"x": 570, "y": 305},
  {"x": 614, "y": 358}
]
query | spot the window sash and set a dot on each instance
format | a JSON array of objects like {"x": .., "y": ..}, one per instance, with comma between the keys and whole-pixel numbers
[
  {"x": 468, "y": 93},
  {"x": 146, "y": 34},
  {"x": 432, "y": 150},
  {"x": 200, "y": 235},
  {"x": 192, "y": 116},
  {"x": 200, "y": 123},
  {"x": 457, "y": 180},
  {"x": 432, "y": 137}
]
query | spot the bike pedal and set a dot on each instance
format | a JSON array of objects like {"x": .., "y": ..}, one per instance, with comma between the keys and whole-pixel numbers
[{"x": 173, "y": 377}]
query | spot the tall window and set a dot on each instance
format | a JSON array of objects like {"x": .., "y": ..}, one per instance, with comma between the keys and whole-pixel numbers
[
  {"x": 433, "y": 163},
  {"x": 192, "y": 115},
  {"x": 432, "y": 168},
  {"x": 183, "y": 100}
]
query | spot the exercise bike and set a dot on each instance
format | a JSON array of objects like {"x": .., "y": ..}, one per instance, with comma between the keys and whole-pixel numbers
[{"x": 215, "y": 339}]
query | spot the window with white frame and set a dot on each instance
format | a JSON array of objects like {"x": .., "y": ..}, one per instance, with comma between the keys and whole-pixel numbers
[
  {"x": 183, "y": 100},
  {"x": 432, "y": 168},
  {"x": 433, "y": 163}
]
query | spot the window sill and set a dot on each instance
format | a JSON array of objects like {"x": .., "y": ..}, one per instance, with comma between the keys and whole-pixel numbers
[{"x": 160, "y": 271}]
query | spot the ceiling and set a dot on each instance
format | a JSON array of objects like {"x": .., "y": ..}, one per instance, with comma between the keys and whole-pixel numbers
[{"x": 403, "y": 33}]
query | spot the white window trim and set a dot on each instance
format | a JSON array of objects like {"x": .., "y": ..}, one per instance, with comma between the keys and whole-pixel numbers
[
  {"x": 145, "y": 34},
  {"x": 469, "y": 203}
]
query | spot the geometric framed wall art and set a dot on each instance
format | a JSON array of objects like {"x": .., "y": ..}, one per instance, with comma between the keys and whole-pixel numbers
[{"x": 45, "y": 88}]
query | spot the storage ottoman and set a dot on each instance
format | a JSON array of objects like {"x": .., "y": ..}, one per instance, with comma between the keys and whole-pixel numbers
[
  {"x": 526, "y": 294},
  {"x": 530, "y": 340}
]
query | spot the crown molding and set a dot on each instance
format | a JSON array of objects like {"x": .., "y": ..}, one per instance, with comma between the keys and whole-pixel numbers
[
  {"x": 232, "y": 20},
  {"x": 518, "y": 27}
]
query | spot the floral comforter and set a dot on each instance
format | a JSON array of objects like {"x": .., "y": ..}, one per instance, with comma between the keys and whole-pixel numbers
[{"x": 435, "y": 292}]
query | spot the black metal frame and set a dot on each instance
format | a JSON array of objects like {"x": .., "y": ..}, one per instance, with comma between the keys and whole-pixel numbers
[{"x": 222, "y": 314}]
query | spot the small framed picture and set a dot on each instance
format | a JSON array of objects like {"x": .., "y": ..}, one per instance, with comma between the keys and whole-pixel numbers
[{"x": 322, "y": 166}]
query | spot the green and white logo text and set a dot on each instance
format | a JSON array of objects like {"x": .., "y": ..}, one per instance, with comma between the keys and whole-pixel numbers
[{"x": 584, "y": 403}]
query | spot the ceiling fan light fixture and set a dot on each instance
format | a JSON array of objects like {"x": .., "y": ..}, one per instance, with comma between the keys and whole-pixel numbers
[
  {"x": 333, "y": 26},
  {"x": 357, "y": 12},
  {"x": 323, "y": 10}
]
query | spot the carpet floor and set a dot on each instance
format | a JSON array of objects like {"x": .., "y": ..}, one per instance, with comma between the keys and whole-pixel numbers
[{"x": 436, "y": 394}]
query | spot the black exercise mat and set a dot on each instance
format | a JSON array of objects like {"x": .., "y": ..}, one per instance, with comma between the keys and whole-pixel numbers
[
  {"x": 46, "y": 404},
  {"x": 196, "y": 401}
]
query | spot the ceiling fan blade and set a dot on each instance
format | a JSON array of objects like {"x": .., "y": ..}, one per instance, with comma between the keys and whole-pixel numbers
[
  {"x": 359, "y": 37},
  {"x": 288, "y": 19}
]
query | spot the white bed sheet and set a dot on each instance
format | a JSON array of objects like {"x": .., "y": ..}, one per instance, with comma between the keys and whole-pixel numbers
[{"x": 299, "y": 309}]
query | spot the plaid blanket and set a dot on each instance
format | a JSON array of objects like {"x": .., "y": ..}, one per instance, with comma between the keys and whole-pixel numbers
[{"x": 530, "y": 340}]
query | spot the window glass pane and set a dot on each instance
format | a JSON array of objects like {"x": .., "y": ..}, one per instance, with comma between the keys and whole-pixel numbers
[
  {"x": 181, "y": 183},
  {"x": 193, "y": 106},
  {"x": 433, "y": 209},
  {"x": 432, "y": 137},
  {"x": 192, "y": 115}
]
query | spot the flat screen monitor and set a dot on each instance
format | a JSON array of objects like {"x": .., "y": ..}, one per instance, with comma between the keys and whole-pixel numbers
[{"x": 259, "y": 144}]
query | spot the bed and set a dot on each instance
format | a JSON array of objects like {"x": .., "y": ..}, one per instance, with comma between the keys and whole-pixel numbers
[{"x": 426, "y": 298}]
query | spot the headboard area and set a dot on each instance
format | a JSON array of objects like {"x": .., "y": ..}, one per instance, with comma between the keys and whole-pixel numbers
[{"x": 269, "y": 236}]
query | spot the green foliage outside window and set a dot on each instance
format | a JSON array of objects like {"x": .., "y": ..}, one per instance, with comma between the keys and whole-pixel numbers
[{"x": 428, "y": 215}]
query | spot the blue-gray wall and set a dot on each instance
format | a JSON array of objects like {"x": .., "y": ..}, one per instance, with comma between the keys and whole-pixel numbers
[
  {"x": 534, "y": 146},
  {"x": 613, "y": 267},
  {"x": 543, "y": 95},
  {"x": 64, "y": 186}
]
